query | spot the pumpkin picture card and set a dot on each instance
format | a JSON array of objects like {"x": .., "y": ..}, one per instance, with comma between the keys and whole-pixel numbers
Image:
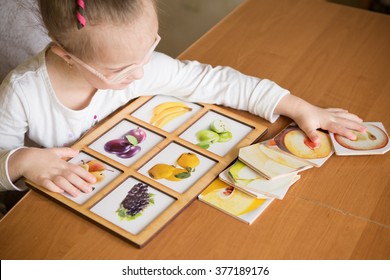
[{"x": 374, "y": 141}]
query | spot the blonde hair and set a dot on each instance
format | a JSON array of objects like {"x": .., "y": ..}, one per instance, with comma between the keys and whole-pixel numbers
[{"x": 59, "y": 18}]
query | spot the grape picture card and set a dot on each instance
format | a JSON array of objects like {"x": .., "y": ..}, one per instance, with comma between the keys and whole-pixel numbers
[
  {"x": 233, "y": 202},
  {"x": 294, "y": 142},
  {"x": 133, "y": 205},
  {"x": 374, "y": 141}
]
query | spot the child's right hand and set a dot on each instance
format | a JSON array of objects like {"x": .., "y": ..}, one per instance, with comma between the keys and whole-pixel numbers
[{"x": 47, "y": 168}]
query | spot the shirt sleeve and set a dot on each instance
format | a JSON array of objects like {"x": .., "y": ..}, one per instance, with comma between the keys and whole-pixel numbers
[
  {"x": 197, "y": 82},
  {"x": 5, "y": 181},
  {"x": 13, "y": 116},
  {"x": 13, "y": 126}
]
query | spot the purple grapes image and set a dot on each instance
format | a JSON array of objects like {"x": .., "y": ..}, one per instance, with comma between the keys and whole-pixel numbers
[
  {"x": 128, "y": 145},
  {"x": 136, "y": 201}
]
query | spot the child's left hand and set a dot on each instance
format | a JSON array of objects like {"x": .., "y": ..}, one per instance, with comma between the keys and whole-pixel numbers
[{"x": 310, "y": 118}]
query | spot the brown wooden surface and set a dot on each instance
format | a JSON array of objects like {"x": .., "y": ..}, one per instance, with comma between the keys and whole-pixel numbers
[{"x": 330, "y": 55}]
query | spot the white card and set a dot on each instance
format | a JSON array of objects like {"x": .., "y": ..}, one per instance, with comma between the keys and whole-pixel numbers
[{"x": 375, "y": 141}]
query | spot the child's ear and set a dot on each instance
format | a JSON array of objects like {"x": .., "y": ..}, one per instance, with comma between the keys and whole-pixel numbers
[{"x": 61, "y": 53}]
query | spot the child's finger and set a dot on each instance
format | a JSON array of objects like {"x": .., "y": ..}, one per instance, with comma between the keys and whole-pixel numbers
[
  {"x": 349, "y": 116},
  {"x": 60, "y": 185},
  {"x": 65, "y": 185},
  {"x": 336, "y": 110},
  {"x": 352, "y": 125},
  {"x": 82, "y": 173},
  {"x": 78, "y": 181},
  {"x": 342, "y": 129},
  {"x": 65, "y": 152},
  {"x": 50, "y": 186},
  {"x": 313, "y": 136}
]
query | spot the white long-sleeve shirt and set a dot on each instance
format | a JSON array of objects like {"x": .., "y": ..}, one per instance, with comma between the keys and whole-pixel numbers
[{"x": 29, "y": 106}]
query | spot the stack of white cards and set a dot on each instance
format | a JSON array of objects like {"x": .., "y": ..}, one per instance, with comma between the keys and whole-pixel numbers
[{"x": 265, "y": 171}]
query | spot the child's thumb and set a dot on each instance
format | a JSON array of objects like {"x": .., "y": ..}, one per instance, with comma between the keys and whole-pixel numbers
[{"x": 313, "y": 137}]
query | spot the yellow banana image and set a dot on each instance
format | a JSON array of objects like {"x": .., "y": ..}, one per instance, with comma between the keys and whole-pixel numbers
[
  {"x": 167, "y": 111},
  {"x": 169, "y": 117},
  {"x": 163, "y": 106}
]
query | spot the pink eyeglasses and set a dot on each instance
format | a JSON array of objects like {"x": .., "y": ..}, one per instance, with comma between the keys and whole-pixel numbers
[{"x": 123, "y": 73}]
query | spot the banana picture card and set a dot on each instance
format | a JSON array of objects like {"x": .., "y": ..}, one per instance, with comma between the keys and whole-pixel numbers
[
  {"x": 151, "y": 158},
  {"x": 374, "y": 141},
  {"x": 167, "y": 113},
  {"x": 234, "y": 202}
]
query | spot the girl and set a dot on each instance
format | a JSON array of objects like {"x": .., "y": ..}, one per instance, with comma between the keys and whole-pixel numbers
[{"x": 102, "y": 56}]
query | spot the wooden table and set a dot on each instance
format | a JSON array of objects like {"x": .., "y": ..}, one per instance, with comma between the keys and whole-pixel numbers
[{"x": 328, "y": 54}]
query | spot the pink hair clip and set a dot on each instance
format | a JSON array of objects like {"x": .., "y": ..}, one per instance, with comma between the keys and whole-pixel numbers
[{"x": 81, "y": 21}]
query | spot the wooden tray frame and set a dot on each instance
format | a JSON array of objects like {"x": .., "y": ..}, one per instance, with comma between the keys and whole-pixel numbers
[{"x": 182, "y": 200}]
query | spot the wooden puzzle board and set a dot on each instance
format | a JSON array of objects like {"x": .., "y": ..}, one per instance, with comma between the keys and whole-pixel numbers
[{"x": 166, "y": 198}]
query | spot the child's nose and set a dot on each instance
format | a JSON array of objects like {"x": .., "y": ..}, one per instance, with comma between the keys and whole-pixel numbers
[{"x": 138, "y": 73}]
